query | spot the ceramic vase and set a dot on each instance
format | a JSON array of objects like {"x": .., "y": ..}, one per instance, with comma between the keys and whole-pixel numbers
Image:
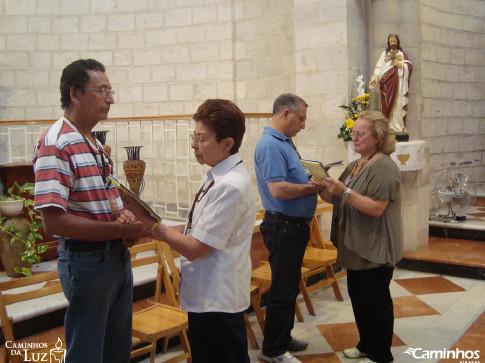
[
  {"x": 101, "y": 136},
  {"x": 134, "y": 169}
]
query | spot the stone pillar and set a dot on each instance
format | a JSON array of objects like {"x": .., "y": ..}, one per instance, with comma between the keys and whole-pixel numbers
[{"x": 415, "y": 206}]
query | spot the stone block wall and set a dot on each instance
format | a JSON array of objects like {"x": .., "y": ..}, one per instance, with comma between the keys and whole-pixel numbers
[
  {"x": 453, "y": 84},
  {"x": 166, "y": 57},
  {"x": 162, "y": 57}
]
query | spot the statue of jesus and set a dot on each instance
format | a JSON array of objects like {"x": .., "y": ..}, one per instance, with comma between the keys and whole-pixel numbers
[{"x": 393, "y": 72}]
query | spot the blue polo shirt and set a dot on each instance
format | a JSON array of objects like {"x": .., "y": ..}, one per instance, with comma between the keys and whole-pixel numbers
[{"x": 276, "y": 160}]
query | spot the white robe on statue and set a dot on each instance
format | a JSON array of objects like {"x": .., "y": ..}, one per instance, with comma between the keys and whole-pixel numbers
[{"x": 399, "y": 109}]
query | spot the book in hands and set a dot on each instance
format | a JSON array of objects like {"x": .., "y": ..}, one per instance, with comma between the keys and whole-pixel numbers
[
  {"x": 126, "y": 190},
  {"x": 317, "y": 170}
]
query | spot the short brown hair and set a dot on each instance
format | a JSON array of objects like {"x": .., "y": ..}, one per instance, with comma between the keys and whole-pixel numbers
[
  {"x": 379, "y": 124},
  {"x": 225, "y": 119}
]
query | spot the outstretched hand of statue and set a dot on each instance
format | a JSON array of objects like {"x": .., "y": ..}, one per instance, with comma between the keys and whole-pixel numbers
[{"x": 372, "y": 83}]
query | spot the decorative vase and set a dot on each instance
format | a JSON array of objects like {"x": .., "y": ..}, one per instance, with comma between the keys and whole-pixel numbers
[
  {"x": 11, "y": 252},
  {"x": 101, "y": 136},
  {"x": 134, "y": 169}
]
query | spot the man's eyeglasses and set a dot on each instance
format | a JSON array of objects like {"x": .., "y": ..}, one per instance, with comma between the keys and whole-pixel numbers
[
  {"x": 102, "y": 91},
  {"x": 360, "y": 135},
  {"x": 300, "y": 118},
  {"x": 198, "y": 140}
]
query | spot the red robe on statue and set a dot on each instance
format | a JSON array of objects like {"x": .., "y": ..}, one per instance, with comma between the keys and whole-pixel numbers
[{"x": 389, "y": 85}]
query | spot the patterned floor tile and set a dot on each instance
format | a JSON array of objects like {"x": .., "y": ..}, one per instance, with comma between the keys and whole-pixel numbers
[
  {"x": 345, "y": 335},
  {"x": 429, "y": 285},
  {"x": 409, "y": 306}
]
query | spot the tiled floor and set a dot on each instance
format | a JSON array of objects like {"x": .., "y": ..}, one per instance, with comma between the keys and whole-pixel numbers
[{"x": 432, "y": 312}]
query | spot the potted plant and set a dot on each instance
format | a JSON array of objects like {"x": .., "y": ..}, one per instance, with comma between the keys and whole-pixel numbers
[{"x": 19, "y": 230}]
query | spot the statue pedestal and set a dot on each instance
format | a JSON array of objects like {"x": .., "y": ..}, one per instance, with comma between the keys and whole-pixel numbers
[{"x": 412, "y": 158}]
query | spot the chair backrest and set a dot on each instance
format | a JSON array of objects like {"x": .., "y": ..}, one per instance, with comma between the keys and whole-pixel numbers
[
  {"x": 259, "y": 217},
  {"x": 316, "y": 237},
  {"x": 29, "y": 288},
  {"x": 167, "y": 273}
]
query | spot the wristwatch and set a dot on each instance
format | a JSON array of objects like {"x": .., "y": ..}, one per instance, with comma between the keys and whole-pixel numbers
[{"x": 346, "y": 193}]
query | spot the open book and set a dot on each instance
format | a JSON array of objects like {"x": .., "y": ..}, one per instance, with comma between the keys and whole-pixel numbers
[
  {"x": 317, "y": 169},
  {"x": 126, "y": 190}
]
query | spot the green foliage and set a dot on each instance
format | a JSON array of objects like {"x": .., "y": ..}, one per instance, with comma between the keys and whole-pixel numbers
[
  {"x": 32, "y": 252},
  {"x": 356, "y": 106}
]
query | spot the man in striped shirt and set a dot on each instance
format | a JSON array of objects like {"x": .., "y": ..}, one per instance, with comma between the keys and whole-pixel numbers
[{"x": 80, "y": 207}]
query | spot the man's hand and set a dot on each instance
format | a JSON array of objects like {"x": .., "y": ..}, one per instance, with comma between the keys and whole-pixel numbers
[
  {"x": 318, "y": 186},
  {"x": 126, "y": 217},
  {"x": 134, "y": 231},
  {"x": 136, "y": 209}
]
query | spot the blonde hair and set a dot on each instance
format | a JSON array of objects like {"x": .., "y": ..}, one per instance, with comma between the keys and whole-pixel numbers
[{"x": 379, "y": 125}]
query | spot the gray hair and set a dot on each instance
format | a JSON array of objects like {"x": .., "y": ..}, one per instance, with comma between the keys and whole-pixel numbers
[{"x": 287, "y": 100}]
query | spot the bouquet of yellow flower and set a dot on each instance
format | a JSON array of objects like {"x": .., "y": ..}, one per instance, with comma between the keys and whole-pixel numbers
[{"x": 358, "y": 104}]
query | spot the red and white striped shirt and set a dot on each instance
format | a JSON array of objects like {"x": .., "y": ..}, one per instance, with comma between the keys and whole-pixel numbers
[{"x": 68, "y": 176}]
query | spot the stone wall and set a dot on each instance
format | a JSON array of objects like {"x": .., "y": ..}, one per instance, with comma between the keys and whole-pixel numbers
[
  {"x": 166, "y": 57},
  {"x": 322, "y": 77},
  {"x": 453, "y": 84},
  {"x": 162, "y": 57}
]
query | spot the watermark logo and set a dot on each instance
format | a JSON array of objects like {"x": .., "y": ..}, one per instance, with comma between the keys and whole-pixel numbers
[
  {"x": 58, "y": 354},
  {"x": 465, "y": 356},
  {"x": 32, "y": 352}
]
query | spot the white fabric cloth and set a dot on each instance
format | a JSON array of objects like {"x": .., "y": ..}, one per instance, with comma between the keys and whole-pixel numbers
[
  {"x": 397, "y": 115},
  {"x": 224, "y": 219}
]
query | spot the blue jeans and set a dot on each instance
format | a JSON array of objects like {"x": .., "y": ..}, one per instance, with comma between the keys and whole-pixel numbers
[
  {"x": 286, "y": 243},
  {"x": 99, "y": 288}
]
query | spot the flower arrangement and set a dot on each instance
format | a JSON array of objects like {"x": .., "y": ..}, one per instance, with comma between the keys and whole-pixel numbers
[{"x": 358, "y": 104}]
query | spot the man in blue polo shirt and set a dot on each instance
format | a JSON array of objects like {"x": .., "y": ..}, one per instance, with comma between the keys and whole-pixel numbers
[{"x": 289, "y": 197}]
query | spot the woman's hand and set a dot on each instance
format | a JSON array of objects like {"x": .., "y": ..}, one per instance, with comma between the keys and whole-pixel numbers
[{"x": 334, "y": 186}]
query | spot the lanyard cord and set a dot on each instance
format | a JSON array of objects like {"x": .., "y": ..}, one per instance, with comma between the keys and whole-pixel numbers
[
  {"x": 102, "y": 171},
  {"x": 198, "y": 197}
]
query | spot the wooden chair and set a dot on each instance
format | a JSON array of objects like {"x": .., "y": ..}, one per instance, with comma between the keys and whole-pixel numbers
[
  {"x": 159, "y": 320},
  {"x": 261, "y": 277},
  {"x": 30, "y": 288},
  {"x": 320, "y": 258},
  {"x": 254, "y": 296},
  {"x": 253, "y": 293}
]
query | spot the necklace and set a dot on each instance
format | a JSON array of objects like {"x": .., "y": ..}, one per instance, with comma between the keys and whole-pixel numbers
[
  {"x": 353, "y": 174},
  {"x": 362, "y": 164}
]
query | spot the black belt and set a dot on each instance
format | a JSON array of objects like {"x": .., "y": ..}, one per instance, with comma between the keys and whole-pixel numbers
[
  {"x": 83, "y": 246},
  {"x": 275, "y": 217}
]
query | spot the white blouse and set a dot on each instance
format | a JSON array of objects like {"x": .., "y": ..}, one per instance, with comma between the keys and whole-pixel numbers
[{"x": 224, "y": 219}]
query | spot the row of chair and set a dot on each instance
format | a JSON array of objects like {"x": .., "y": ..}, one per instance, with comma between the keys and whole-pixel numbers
[
  {"x": 155, "y": 321},
  {"x": 163, "y": 320}
]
